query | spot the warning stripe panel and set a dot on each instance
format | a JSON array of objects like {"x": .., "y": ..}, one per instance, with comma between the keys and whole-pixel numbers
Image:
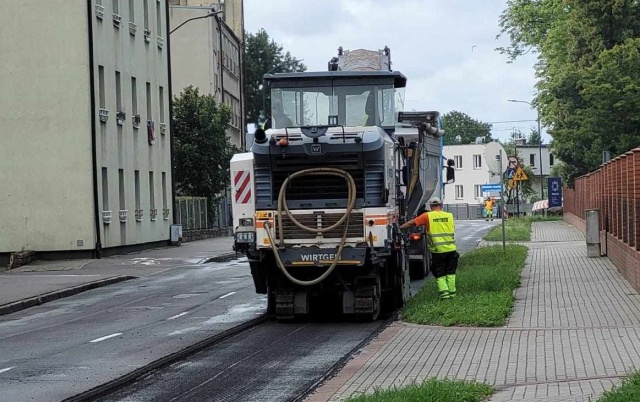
[{"x": 241, "y": 181}]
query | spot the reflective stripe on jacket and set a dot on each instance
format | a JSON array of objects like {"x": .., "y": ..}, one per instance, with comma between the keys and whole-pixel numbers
[{"x": 441, "y": 232}]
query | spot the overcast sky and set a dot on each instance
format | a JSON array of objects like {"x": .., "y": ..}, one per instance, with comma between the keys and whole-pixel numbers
[{"x": 444, "y": 47}]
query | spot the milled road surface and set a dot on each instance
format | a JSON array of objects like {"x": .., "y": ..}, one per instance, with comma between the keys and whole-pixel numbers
[{"x": 66, "y": 347}]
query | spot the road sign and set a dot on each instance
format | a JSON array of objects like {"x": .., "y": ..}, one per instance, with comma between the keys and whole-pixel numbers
[
  {"x": 520, "y": 175},
  {"x": 554, "y": 190},
  {"x": 491, "y": 188},
  {"x": 511, "y": 183},
  {"x": 511, "y": 173},
  {"x": 513, "y": 163}
]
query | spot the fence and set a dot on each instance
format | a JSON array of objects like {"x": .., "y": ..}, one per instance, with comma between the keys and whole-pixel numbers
[
  {"x": 614, "y": 189},
  {"x": 193, "y": 213},
  {"x": 464, "y": 211}
]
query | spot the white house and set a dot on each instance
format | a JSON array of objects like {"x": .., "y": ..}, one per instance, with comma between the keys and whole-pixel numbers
[{"x": 471, "y": 173}]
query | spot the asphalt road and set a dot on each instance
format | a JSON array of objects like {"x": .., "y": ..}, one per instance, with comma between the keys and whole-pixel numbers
[{"x": 63, "y": 348}]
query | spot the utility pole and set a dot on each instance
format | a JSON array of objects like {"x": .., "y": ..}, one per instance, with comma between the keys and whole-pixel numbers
[{"x": 504, "y": 246}]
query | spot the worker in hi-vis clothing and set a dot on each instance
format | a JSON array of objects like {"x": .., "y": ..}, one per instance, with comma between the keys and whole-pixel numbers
[
  {"x": 488, "y": 208},
  {"x": 440, "y": 230}
]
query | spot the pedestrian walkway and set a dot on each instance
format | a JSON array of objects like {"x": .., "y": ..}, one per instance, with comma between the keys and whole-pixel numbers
[{"x": 574, "y": 333}]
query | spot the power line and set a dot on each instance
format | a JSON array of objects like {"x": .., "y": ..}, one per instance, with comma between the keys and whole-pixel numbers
[{"x": 509, "y": 121}]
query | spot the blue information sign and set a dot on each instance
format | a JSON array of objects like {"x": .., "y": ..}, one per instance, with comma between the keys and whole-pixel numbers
[
  {"x": 554, "y": 190},
  {"x": 491, "y": 188}
]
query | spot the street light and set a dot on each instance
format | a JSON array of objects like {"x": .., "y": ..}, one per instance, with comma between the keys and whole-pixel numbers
[
  {"x": 211, "y": 14},
  {"x": 539, "y": 142}
]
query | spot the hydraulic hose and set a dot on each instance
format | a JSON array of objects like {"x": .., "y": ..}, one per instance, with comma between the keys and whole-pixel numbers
[{"x": 283, "y": 208}]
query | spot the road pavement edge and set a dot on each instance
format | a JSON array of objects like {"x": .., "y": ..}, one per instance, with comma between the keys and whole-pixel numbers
[{"x": 23, "y": 304}]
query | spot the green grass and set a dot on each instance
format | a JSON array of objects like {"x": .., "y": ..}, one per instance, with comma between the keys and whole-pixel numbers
[
  {"x": 628, "y": 390},
  {"x": 516, "y": 229},
  {"x": 485, "y": 281},
  {"x": 432, "y": 390}
]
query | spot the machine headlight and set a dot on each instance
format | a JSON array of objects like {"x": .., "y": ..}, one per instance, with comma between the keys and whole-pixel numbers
[
  {"x": 245, "y": 237},
  {"x": 246, "y": 222}
]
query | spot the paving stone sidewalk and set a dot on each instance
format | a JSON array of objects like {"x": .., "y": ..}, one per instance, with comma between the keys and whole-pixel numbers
[{"x": 574, "y": 333}]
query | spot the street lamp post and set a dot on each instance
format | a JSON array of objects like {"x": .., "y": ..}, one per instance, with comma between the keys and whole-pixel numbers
[
  {"x": 211, "y": 14},
  {"x": 539, "y": 142}
]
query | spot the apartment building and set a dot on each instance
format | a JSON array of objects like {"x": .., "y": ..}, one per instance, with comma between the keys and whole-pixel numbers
[
  {"x": 85, "y": 146},
  {"x": 206, "y": 53},
  {"x": 472, "y": 171}
]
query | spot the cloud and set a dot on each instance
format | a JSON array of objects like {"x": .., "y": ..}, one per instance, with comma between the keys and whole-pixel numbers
[{"x": 445, "y": 48}]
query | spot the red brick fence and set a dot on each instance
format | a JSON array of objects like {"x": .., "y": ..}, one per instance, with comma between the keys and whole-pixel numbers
[{"x": 615, "y": 190}]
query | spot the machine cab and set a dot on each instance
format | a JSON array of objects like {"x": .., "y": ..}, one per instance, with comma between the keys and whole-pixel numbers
[{"x": 336, "y": 98}]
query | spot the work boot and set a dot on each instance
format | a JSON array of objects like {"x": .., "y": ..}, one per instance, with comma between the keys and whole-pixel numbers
[
  {"x": 443, "y": 289},
  {"x": 451, "y": 284}
]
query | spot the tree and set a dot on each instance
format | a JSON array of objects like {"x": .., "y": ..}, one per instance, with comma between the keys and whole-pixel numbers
[
  {"x": 202, "y": 150},
  {"x": 534, "y": 137},
  {"x": 462, "y": 129},
  {"x": 262, "y": 55},
  {"x": 588, "y": 88}
]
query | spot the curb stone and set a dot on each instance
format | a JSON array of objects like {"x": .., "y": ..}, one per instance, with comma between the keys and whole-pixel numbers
[{"x": 59, "y": 294}]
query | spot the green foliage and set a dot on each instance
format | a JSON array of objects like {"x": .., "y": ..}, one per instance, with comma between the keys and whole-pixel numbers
[
  {"x": 432, "y": 390},
  {"x": 534, "y": 137},
  {"x": 589, "y": 71},
  {"x": 262, "y": 55},
  {"x": 462, "y": 129},
  {"x": 628, "y": 390},
  {"x": 516, "y": 229},
  {"x": 202, "y": 150},
  {"x": 485, "y": 281}
]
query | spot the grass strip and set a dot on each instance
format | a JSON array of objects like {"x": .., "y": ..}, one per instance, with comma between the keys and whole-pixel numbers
[
  {"x": 516, "y": 229},
  {"x": 628, "y": 390},
  {"x": 432, "y": 390},
  {"x": 486, "y": 278}
]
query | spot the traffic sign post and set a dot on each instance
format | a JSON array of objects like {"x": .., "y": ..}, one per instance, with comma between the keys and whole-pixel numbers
[{"x": 554, "y": 191}]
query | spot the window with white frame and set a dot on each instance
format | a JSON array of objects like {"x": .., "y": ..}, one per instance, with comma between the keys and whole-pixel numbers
[
  {"x": 477, "y": 191},
  {"x": 477, "y": 161},
  {"x": 458, "y": 161},
  {"x": 532, "y": 159},
  {"x": 459, "y": 192}
]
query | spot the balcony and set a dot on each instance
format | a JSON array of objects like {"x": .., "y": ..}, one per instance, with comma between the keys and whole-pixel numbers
[
  {"x": 160, "y": 41},
  {"x": 104, "y": 115},
  {"x": 136, "y": 121},
  {"x": 123, "y": 215},
  {"x": 139, "y": 215},
  {"x": 117, "y": 20},
  {"x": 153, "y": 213},
  {"x": 163, "y": 128},
  {"x": 147, "y": 35},
  {"x": 121, "y": 117},
  {"x": 165, "y": 214},
  {"x": 99, "y": 11},
  {"x": 106, "y": 217},
  {"x": 133, "y": 28}
]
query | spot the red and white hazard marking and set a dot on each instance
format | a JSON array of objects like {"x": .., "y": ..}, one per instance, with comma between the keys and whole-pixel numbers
[{"x": 241, "y": 182}]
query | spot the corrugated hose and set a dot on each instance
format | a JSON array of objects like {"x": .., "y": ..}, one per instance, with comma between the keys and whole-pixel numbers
[{"x": 283, "y": 208}]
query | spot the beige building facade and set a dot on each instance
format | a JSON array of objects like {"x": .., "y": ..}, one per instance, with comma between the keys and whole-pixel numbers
[
  {"x": 206, "y": 53},
  {"x": 85, "y": 155}
]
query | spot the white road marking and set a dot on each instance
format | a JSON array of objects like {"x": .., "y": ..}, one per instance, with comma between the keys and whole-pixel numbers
[
  {"x": 106, "y": 337},
  {"x": 176, "y": 316},
  {"x": 4, "y": 370},
  {"x": 227, "y": 295}
]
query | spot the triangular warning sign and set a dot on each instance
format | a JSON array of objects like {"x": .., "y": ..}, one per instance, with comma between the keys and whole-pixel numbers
[{"x": 520, "y": 175}]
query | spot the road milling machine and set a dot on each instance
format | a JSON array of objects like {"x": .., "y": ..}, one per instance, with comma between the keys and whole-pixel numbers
[{"x": 318, "y": 200}]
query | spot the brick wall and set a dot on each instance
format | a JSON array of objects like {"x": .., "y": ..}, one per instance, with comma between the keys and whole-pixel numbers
[{"x": 615, "y": 190}]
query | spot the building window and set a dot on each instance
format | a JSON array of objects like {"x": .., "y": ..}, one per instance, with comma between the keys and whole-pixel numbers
[
  {"x": 132, "y": 11},
  {"x": 146, "y": 14},
  {"x": 158, "y": 19},
  {"x": 477, "y": 161},
  {"x": 458, "y": 161},
  {"x": 118, "y": 92},
  {"x": 134, "y": 97},
  {"x": 551, "y": 161},
  {"x": 532, "y": 159},
  {"x": 164, "y": 190},
  {"x": 161, "y": 96},
  {"x": 137, "y": 187},
  {"x": 103, "y": 100},
  {"x": 149, "y": 101},
  {"x": 116, "y": 6},
  {"x": 121, "y": 189},
  {"x": 459, "y": 192},
  {"x": 152, "y": 198},
  {"x": 477, "y": 191},
  {"x": 105, "y": 189}
]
